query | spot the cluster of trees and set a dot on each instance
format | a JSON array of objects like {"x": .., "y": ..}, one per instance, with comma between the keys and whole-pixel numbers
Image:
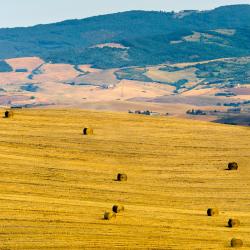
[
  {"x": 226, "y": 94},
  {"x": 5, "y": 67},
  {"x": 228, "y": 72},
  {"x": 136, "y": 74},
  {"x": 236, "y": 104},
  {"x": 196, "y": 112},
  {"x": 30, "y": 87}
]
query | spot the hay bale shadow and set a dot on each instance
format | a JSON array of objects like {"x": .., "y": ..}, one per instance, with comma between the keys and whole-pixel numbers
[
  {"x": 88, "y": 131},
  {"x": 118, "y": 209},
  {"x": 122, "y": 177},
  {"x": 212, "y": 212},
  {"x": 232, "y": 166},
  {"x": 109, "y": 215},
  {"x": 236, "y": 243},
  {"x": 8, "y": 114}
]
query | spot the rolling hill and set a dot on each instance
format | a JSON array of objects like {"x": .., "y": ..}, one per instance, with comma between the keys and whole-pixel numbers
[
  {"x": 56, "y": 183},
  {"x": 220, "y": 88},
  {"x": 164, "y": 62},
  {"x": 135, "y": 38}
]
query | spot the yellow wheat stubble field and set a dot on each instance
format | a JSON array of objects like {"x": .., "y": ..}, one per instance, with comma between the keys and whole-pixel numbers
[{"x": 56, "y": 184}]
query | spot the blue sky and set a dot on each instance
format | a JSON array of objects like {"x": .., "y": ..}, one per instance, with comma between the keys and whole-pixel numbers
[{"x": 15, "y": 13}]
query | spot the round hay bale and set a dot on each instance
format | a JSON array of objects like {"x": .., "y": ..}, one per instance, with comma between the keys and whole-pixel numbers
[
  {"x": 88, "y": 131},
  {"x": 233, "y": 223},
  {"x": 109, "y": 215},
  {"x": 232, "y": 166},
  {"x": 212, "y": 211},
  {"x": 8, "y": 114},
  {"x": 118, "y": 208},
  {"x": 122, "y": 177},
  {"x": 236, "y": 242}
]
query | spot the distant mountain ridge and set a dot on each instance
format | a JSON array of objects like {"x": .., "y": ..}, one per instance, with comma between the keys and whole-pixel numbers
[{"x": 135, "y": 38}]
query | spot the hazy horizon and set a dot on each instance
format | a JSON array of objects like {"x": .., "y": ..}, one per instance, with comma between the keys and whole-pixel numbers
[{"x": 16, "y": 13}]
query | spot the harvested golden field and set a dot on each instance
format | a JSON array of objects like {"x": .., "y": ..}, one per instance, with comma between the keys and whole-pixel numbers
[{"x": 56, "y": 183}]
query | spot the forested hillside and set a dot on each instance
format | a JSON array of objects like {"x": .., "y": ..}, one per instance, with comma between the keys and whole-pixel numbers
[{"x": 143, "y": 37}]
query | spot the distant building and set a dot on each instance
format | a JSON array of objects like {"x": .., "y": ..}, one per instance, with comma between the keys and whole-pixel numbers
[
  {"x": 143, "y": 112},
  {"x": 196, "y": 112}
]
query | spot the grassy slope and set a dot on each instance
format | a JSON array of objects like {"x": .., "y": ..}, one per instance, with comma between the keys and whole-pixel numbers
[{"x": 55, "y": 184}]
